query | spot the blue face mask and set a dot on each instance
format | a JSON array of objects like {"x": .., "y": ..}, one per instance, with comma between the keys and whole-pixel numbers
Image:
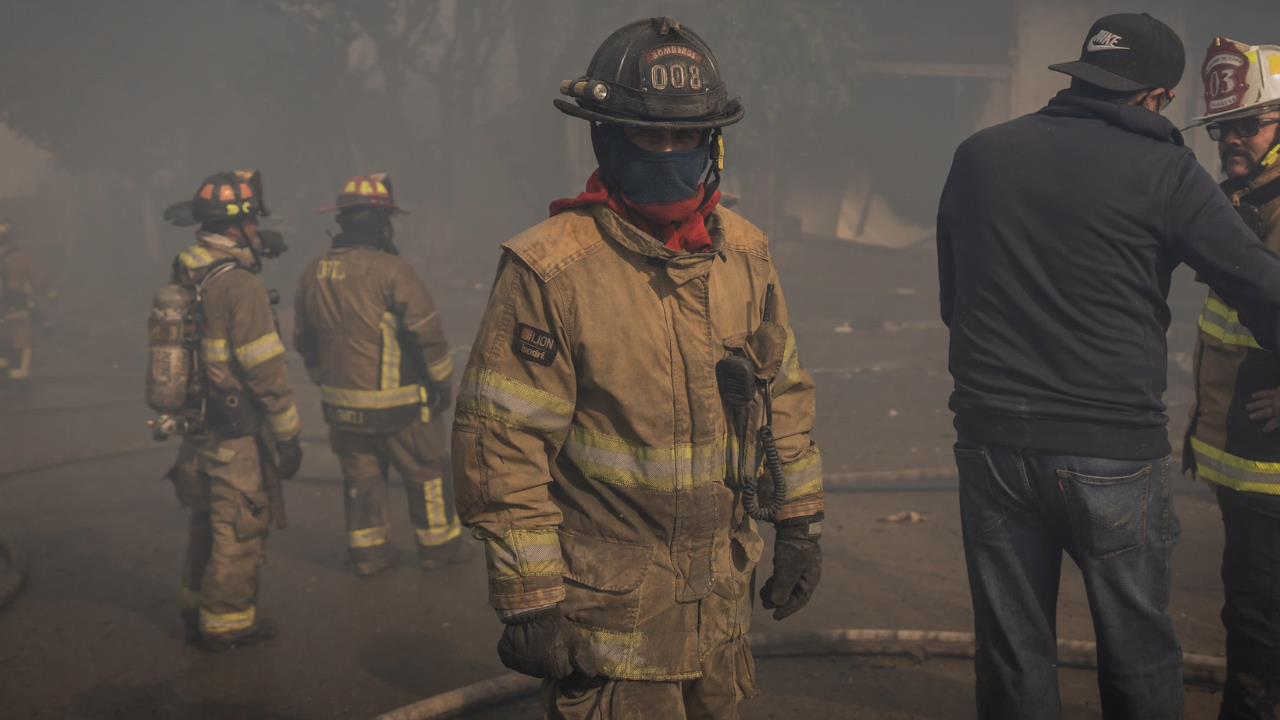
[{"x": 644, "y": 177}]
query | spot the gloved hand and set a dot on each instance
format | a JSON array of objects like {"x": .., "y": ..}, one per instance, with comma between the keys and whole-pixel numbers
[
  {"x": 541, "y": 644},
  {"x": 288, "y": 457},
  {"x": 439, "y": 395},
  {"x": 797, "y": 566}
]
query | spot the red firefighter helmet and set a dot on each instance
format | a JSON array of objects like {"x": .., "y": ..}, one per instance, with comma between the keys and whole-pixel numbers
[{"x": 372, "y": 190}]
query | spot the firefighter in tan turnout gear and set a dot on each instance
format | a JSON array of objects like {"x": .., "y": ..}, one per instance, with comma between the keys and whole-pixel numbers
[
  {"x": 17, "y": 303},
  {"x": 372, "y": 339},
  {"x": 245, "y": 430},
  {"x": 1233, "y": 440},
  {"x": 631, "y": 343}
]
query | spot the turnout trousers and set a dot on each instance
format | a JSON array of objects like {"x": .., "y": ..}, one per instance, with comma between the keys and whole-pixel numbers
[
  {"x": 1251, "y": 613},
  {"x": 728, "y": 676},
  {"x": 220, "y": 481},
  {"x": 418, "y": 452}
]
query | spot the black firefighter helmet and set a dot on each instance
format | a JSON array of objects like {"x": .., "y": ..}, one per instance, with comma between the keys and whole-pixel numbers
[
  {"x": 235, "y": 195},
  {"x": 652, "y": 73}
]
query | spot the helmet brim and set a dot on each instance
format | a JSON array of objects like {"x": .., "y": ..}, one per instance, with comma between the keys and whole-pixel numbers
[
  {"x": 330, "y": 209},
  {"x": 732, "y": 114},
  {"x": 1235, "y": 114},
  {"x": 180, "y": 214}
]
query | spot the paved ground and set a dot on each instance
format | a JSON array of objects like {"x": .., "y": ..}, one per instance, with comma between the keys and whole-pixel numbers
[{"x": 96, "y": 633}]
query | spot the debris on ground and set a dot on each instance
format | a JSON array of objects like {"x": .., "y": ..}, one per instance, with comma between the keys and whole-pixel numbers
[{"x": 906, "y": 517}]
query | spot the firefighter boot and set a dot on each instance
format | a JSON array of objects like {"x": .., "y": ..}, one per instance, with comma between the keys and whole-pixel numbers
[
  {"x": 262, "y": 630},
  {"x": 368, "y": 562},
  {"x": 454, "y": 552}
]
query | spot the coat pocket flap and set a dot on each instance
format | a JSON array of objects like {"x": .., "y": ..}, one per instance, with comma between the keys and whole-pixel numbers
[{"x": 607, "y": 565}]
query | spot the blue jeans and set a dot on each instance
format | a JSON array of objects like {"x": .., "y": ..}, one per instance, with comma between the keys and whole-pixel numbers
[{"x": 1020, "y": 510}]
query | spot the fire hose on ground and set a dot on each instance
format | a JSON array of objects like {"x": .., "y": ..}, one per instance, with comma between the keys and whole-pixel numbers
[{"x": 1076, "y": 654}]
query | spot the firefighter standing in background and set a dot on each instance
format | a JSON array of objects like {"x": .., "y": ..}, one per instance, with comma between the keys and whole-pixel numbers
[
  {"x": 17, "y": 304},
  {"x": 594, "y": 452},
  {"x": 1233, "y": 439},
  {"x": 371, "y": 338},
  {"x": 249, "y": 416}
]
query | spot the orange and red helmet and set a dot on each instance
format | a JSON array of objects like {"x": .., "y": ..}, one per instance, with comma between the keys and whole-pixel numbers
[
  {"x": 372, "y": 190},
  {"x": 232, "y": 195}
]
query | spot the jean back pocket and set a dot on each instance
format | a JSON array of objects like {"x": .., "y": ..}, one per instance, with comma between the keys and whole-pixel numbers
[{"x": 1108, "y": 515}]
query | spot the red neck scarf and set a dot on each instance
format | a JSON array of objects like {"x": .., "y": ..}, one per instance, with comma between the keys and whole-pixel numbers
[{"x": 681, "y": 225}]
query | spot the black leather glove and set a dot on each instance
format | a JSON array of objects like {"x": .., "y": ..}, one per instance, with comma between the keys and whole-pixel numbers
[
  {"x": 797, "y": 566},
  {"x": 439, "y": 395},
  {"x": 288, "y": 457},
  {"x": 542, "y": 644}
]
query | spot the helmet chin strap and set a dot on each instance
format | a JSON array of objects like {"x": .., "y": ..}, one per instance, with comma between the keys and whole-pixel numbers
[{"x": 715, "y": 144}]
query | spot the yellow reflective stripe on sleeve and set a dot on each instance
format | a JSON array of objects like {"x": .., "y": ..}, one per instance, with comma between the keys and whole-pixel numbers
[
  {"x": 372, "y": 399},
  {"x": 215, "y": 350},
  {"x": 195, "y": 257},
  {"x": 285, "y": 424},
  {"x": 1235, "y": 472},
  {"x": 1219, "y": 321},
  {"x": 791, "y": 373},
  {"x": 22, "y": 370},
  {"x": 259, "y": 351},
  {"x": 440, "y": 370},
  {"x": 368, "y": 537},
  {"x": 804, "y": 475},
  {"x": 390, "y": 375},
  {"x": 524, "y": 553},
  {"x": 435, "y": 537},
  {"x": 224, "y": 623},
  {"x": 491, "y": 395},
  {"x": 671, "y": 469}
]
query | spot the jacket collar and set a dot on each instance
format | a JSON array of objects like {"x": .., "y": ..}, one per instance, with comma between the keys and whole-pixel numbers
[
  {"x": 681, "y": 267},
  {"x": 1134, "y": 119},
  {"x": 222, "y": 246}
]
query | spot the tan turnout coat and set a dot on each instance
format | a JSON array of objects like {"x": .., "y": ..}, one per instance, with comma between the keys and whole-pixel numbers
[{"x": 591, "y": 446}]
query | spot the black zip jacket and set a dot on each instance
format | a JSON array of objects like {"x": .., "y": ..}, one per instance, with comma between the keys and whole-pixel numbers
[{"x": 1057, "y": 235}]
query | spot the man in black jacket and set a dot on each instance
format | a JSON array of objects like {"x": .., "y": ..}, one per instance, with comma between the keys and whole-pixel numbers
[{"x": 1057, "y": 235}]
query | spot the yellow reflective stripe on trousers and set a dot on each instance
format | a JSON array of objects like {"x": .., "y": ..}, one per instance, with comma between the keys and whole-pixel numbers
[
  {"x": 804, "y": 476},
  {"x": 440, "y": 370},
  {"x": 223, "y": 623},
  {"x": 657, "y": 469},
  {"x": 215, "y": 350},
  {"x": 195, "y": 257},
  {"x": 491, "y": 395},
  {"x": 373, "y": 399},
  {"x": 368, "y": 537},
  {"x": 259, "y": 351},
  {"x": 285, "y": 424},
  {"x": 524, "y": 553},
  {"x": 390, "y": 376},
  {"x": 1219, "y": 321},
  {"x": 1235, "y": 472},
  {"x": 433, "y": 501},
  {"x": 22, "y": 370}
]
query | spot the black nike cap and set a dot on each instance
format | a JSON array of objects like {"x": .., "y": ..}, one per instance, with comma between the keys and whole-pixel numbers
[{"x": 1128, "y": 52}]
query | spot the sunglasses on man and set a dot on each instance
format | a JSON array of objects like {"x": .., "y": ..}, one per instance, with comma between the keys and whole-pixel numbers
[{"x": 1244, "y": 127}]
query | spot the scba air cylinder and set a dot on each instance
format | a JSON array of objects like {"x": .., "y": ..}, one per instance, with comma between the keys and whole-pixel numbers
[{"x": 170, "y": 353}]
